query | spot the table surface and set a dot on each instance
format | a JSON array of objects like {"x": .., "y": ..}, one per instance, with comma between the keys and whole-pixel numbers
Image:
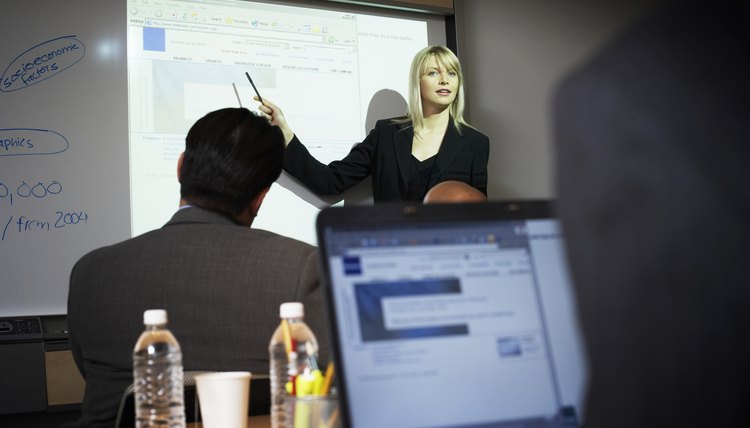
[{"x": 260, "y": 421}]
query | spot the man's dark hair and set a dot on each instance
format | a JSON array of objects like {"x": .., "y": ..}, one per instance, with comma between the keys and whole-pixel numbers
[{"x": 231, "y": 155}]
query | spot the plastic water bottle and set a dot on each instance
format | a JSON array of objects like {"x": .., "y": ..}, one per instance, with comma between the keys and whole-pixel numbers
[
  {"x": 157, "y": 375},
  {"x": 286, "y": 366}
]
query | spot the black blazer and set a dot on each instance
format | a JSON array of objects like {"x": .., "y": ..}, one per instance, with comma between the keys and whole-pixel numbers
[{"x": 386, "y": 155}]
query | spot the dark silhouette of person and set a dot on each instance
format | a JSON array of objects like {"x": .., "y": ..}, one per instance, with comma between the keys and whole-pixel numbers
[{"x": 653, "y": 155}]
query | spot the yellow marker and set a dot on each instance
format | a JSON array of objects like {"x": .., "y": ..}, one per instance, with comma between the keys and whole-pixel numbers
[
  {"x": 326, "y": 385},
  {"x": 286, "y": 331},
  {"x": 302, "y": 413},
  {"x": 308, "y": 382}
]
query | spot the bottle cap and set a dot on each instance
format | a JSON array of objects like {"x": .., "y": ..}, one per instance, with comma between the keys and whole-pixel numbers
[
  {"x": 292, "y": 310},
  {"x": 155, "y": 317}
]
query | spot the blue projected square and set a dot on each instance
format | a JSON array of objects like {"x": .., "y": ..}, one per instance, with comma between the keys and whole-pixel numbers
[
  {"x": 352, "y": 265},
  {"x": 154, "y": 39}
]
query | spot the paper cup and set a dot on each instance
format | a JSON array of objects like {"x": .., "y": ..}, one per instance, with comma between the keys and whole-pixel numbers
[{"x": 224, "y": 398}]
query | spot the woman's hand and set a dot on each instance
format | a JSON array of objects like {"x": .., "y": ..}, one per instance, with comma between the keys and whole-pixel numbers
[{"x": 273, "y": 113}]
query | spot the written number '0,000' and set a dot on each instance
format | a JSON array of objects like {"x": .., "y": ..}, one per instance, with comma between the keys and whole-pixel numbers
[{"x": 24, "y": 190}]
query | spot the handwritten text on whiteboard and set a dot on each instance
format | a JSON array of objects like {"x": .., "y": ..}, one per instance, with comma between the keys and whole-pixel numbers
[
  {"x": 41, "y": 62},
  {"x": 28, "y": 141}
]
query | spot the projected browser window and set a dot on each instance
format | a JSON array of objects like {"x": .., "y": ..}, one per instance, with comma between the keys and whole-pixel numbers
[{"x": 321, "y": 66}]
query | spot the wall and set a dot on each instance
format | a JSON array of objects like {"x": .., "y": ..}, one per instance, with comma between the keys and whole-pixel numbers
[{"x": 513, "y": 53}]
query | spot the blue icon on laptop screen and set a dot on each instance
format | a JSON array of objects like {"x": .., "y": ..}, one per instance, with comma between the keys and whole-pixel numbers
[{"x": 352, "y": 265}]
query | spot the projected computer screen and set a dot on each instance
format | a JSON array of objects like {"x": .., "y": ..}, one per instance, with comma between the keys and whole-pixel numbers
[{"x": 322, "y": 67}]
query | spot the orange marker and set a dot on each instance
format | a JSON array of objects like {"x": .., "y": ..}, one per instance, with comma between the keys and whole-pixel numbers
[{"x": 327, "y": 380}]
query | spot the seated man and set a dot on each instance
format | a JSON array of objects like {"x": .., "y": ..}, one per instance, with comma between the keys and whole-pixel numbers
[
  {"x": 452, "y": 191},
  {"x": 220, "y": 281}
]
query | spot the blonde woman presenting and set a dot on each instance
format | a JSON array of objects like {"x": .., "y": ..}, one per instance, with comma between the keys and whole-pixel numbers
[{"x": 405, "y": 156}]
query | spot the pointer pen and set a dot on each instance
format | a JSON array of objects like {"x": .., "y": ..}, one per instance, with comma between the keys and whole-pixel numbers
[
  {"x": 256, "y": 89},
  {"x": 237, "y": 94}
]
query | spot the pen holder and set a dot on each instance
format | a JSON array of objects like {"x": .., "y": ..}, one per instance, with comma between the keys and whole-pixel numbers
[{"x": 313, "y": 411}]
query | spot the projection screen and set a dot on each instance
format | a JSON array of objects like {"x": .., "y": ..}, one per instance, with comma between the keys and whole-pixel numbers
[{"x": 333, "y": 71}]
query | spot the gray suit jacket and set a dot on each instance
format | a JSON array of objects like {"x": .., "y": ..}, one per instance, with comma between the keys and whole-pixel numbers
[{"x": 221, "y": 284}]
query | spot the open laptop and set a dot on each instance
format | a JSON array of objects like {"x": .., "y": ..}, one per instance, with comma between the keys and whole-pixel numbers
[{"x": 456, "y": 315}]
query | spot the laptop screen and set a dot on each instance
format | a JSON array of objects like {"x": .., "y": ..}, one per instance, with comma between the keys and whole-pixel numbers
[{"x": 439, "y": 319}]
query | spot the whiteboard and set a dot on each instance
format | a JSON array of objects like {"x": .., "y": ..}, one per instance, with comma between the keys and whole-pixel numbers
[
  {"x": 66, "y": 181},
  {"x": 64, "y": 157}
]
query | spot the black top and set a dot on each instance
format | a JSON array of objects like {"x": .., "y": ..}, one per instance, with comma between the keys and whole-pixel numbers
[{"x": 420, "y": 178}]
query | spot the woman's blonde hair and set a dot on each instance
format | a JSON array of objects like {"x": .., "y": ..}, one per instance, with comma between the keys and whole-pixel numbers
[{"x": 446, "y": 59}]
